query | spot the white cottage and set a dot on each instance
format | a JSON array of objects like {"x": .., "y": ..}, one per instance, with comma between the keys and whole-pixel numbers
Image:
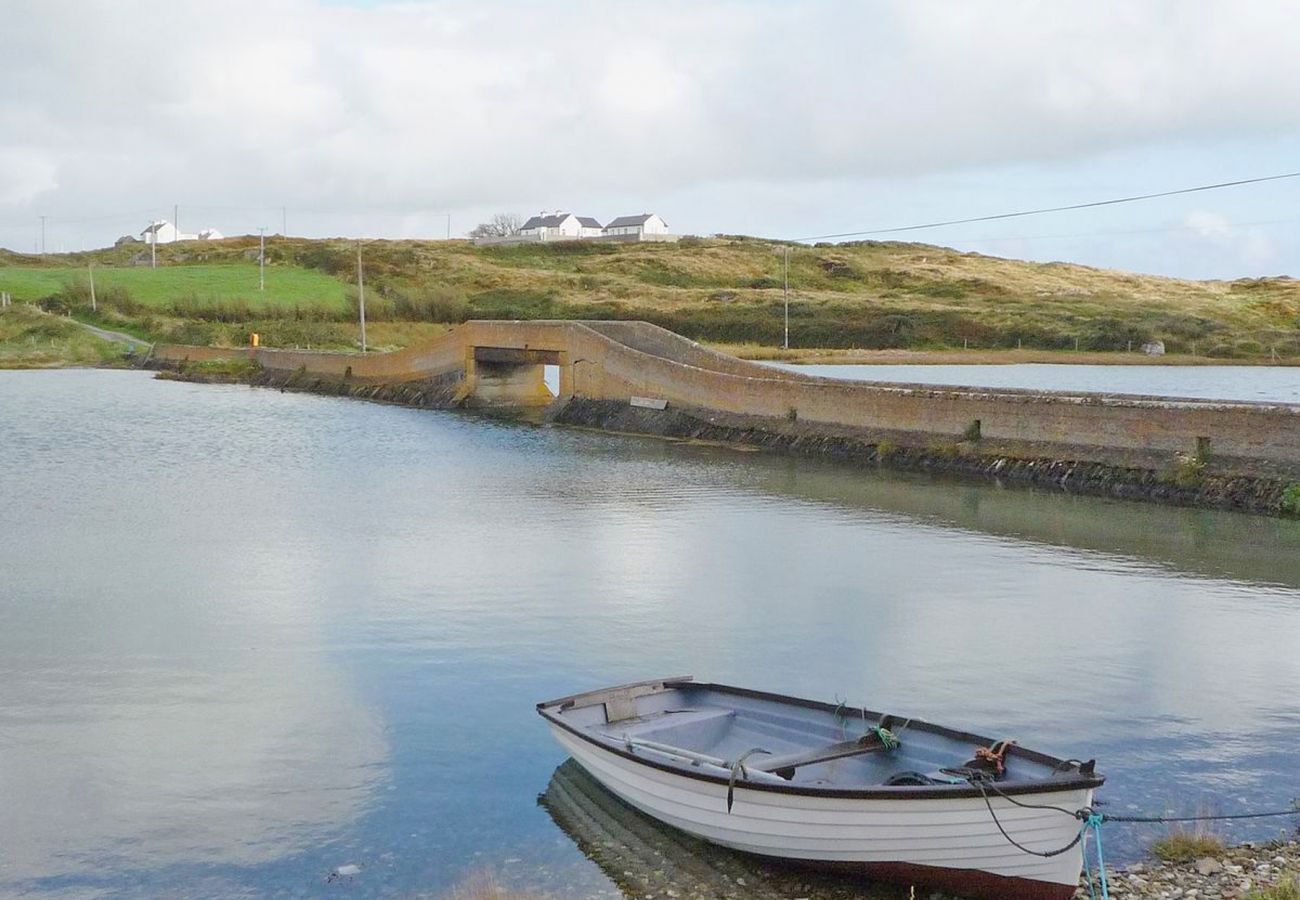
[
  {"x": 560, "y": 226},
  {"x": 638, "y": 226},
  {"x": 164, "y": 232}
]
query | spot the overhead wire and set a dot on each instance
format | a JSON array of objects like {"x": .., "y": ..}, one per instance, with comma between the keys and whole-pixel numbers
[{"x": 1049, "y": 209}]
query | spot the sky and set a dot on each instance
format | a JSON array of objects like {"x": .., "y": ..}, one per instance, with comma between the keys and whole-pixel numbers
[{"x": 778, "y": 119}]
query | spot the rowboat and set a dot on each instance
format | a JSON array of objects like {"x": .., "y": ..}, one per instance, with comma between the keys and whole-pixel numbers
[{"x": 888, "y": 798}]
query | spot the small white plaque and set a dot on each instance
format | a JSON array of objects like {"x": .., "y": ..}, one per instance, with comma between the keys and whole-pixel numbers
[{"x": 649, "y": 402}]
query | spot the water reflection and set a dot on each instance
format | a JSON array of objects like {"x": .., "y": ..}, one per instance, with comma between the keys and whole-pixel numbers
[
  {"x": 648, "y": 859},
  {"x": 150, "y": 762}
]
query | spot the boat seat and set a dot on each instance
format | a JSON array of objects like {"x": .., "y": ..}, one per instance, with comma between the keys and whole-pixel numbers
[
  {"x": 785, "y": 764},
  {"x": 695, "y": 730}
]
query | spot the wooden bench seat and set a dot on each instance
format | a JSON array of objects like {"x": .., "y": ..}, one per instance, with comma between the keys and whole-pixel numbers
[{"x": 785, "y": 764}]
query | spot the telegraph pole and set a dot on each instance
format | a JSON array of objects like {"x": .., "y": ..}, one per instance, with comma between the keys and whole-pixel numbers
[
  {"x": 176, "y": 221},
  {"x": 448, "y": 226},
  {"x": 786, "y": 254},
  {"x": 284, "y": 221},
  {"x": 153, "y": 248},
  {"x": 42, "y": 235},
  {"x": 93, "y": 306},
  {"x": 261, "y": 260},
  {"x": 361, "y": 297}
]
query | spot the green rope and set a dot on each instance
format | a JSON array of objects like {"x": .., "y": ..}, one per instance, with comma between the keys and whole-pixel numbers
[{"x": 888, "y": 739}]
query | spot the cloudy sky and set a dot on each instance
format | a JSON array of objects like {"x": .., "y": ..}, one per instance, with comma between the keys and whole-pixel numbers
[{"x": 779, "y": 119}]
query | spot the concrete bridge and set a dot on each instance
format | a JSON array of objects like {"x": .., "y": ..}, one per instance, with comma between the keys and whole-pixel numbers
[{"x": 662, "y": 375}]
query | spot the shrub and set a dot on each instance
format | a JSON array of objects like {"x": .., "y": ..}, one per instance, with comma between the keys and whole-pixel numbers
[
  {"x": 1187, "y": 471},
  {"x": 1290, "y": 502},
  {"x": 432, "y": 304},
  {"x": 1286, "y": 889},
  {"x": 1186, "y": 846}
]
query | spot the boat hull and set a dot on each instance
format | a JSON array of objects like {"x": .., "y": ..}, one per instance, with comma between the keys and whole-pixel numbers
[{"x": 950, "y": 843}]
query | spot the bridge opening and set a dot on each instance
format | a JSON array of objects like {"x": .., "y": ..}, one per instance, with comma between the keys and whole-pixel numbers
[
  {"x": 510, "y": 376},
  {"x": 551, "y": 375}
]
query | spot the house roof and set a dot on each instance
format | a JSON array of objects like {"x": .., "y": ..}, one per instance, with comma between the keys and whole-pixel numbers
[
  {"x": 588, "y": 222},
  {"x": 155, "y": 226},
  {"x": 630, "y": 220},
  {"x": 546, "y": 221}
]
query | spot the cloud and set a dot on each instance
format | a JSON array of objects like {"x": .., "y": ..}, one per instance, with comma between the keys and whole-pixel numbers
[
  {"x": 1250, "y": 244},
  {"x": 465, "y": 104}
]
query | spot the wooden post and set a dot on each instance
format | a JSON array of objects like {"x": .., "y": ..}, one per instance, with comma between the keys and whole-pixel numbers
[{"x": 361, "y": 297}]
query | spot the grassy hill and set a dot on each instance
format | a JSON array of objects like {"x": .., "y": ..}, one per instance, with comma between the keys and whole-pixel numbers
[{"x": 725, "y": 290}]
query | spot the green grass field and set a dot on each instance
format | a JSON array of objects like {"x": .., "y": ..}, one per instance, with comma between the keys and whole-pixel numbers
[{"x": 286, "y": 286}]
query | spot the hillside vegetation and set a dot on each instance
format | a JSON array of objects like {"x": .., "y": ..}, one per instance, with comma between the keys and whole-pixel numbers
[
  {"x": 31, "y": 339},
  {"x": 869, "y": 295}
]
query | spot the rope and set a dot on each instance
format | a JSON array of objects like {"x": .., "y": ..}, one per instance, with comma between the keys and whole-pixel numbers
[
  {"x": 1043, "y": 854},
  {"x": 1083, "y": 814},
  {"x": 888, "y": 739},
  {"x": 1093, "y": 824},
  {"x": 739, "y": 767},
  {"x": 1293, "y": 811}
]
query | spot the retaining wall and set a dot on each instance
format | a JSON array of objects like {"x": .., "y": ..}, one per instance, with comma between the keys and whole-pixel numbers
[{"x": 616, "y": 361}]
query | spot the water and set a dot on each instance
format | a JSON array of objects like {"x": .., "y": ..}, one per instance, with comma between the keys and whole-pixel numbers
[
  {"x": 1275, "y": 384},
  {"x": 248, "y": 637}
]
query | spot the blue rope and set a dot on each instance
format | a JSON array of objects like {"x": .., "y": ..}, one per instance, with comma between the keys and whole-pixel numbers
[{"x": 1093, "y": 824}]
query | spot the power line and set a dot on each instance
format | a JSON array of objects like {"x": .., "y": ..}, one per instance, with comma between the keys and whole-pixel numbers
[
  {"x": 1052, "y": 209},
  {"x": 1164, "y": 229}
]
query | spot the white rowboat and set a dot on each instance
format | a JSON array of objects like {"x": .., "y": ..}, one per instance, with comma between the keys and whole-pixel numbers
[{"x": 819, "y": 784}]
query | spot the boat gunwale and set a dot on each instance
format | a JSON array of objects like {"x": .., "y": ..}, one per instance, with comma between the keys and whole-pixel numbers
[{"x": 551, "y": 709}]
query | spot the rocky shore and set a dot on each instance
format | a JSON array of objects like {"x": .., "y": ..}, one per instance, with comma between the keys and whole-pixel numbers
[{"x": 1244, "y": 872}]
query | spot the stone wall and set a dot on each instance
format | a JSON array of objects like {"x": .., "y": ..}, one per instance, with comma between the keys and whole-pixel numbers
[{"x": 616, "y": 361}]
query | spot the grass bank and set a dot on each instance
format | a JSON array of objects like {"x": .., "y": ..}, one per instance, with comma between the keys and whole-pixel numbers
[
  {"x": 856, "y": 300},
  {"x": 32, "y": 339}
]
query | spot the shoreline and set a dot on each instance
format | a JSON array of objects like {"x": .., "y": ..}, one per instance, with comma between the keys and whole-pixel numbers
[{"x": 1240, "y": 872}]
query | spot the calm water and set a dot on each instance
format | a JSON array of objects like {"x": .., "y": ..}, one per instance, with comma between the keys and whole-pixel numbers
[
  {"x": 1259, "y": 383},
  {"x": 247, "y": 637}
]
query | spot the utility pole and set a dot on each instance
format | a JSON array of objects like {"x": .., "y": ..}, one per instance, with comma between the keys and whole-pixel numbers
[
  {"x": 261, "y": 260},
  {"x": 42, "y": 235},
  {"x": 93, "y": 306},
  {"x": 176, "y": 221},
  {"x": 284, "y": 221},
  {"x": 361, "y": 297},
  {"x": 786, "y": 255},
  {"x": 153, "y": 248},
  {"x": 448, "y": 226}
]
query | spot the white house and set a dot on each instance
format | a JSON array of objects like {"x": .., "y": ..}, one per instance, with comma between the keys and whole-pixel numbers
[
  {"x": 560, "y": 226},
  {"x": 646, "y": 223},
  {"x": 164, "y": 232},
  {"x": 589, "y": 227}
]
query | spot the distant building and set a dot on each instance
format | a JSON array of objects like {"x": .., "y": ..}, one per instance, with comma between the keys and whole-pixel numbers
[
  {"x": 163, "y": 232},
  {"x": 125, "y": 240},
  {"x": 638, "y": 226},
  {"x": 560, "y": 226}
]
